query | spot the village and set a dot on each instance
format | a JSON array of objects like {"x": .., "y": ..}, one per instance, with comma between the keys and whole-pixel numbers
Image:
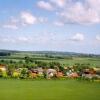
[{"x": 50, "y": 73}]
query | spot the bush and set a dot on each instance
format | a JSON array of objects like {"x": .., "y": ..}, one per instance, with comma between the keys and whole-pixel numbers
[
  {"x": 4, "y": 74},
  {"x": 24, "y": 73},
  {"x": 15, "y": 74}
]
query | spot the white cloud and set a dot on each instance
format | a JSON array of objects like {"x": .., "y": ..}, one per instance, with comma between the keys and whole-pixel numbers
[
  {"x": 78, "y": 37},
  {"x": 58, "y": 23},
  {"x": 10, "y": 26},
  {"x": 98, "y": 37},
  {"x": 43, "y": 38},
  {"x": 45, "y": 5},
  {"x": 28, "y": 18},
  {"x": 7, "y": 39},
  {"x": 77, "y": 11},
  {"x": 59, "y": 3},
  {"x": 42, "y": 19},
  {"x": 19, "y": 39},
  {"x": 94, "y": 4},
  {"x": 14, "y": 20},
  {"x": 24, "y": 19},
  {"x": 23, "y": 39},
  {"x": 81, "y": 14}
]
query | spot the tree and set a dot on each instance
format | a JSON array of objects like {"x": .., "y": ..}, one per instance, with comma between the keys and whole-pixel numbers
[
  {"x": 27, "y": 59},
  {"x": 80, "y": 67},
  {"x": 31, "y": 65},
  {"x": 24, "y": 73},
  {"x": 41, "y": 63},
  {"x": 0, "y": 73},
  {"x": 54, "y": 64}
]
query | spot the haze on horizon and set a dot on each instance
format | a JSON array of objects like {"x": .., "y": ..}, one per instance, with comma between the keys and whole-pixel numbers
[{"x": 50, "y": 25}]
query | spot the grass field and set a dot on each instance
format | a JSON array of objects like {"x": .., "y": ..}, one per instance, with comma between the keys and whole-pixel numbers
[{"x": 48, "y": 90}]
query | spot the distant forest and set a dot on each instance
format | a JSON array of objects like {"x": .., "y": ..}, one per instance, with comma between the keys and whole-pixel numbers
[{"x": 49, "y": 54}]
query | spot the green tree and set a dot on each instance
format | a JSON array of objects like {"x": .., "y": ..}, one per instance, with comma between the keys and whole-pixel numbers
[
  {"x": 0, "y": 73},
  {"x": 24, "y": 73}
]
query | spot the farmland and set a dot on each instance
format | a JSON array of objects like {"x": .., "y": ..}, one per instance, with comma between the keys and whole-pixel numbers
[
  {"x": 68, "y": 58},
  {"x": 11, "y": 89}
]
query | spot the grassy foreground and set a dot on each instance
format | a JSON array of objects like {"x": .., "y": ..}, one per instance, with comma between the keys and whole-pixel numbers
[{"x": 48, "y": 90}]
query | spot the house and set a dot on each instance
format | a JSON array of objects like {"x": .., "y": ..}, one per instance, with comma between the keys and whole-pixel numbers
[
  {"x": 3, "y": 67},
  {"x": 97, "y": 71},
  {"x": 40, "y": 71},
  {"x": 32, "y": 74},
  {"x": 89, "y": 73},
  {"x": 37, "y": 71},
  {"x": 51, "y": 73},
  {"x": 66, "y": 68},
  {"x": 3, "y": 71},
  {"x": 59, "y": 74},
  {"x": 73, "y": 75}
]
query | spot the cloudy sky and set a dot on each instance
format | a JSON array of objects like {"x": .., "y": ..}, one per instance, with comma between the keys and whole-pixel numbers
[{"x": 57, "y": 25}]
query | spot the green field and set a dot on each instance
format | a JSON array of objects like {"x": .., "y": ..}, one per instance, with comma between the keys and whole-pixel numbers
[
  {"x": 48, "y": 90},
  {"x": 93, "y": 61}
]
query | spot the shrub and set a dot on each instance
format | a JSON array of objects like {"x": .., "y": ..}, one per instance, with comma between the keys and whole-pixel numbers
[
  {"x": 15, "y": 74},
  {"x": 4, "y": 74}
]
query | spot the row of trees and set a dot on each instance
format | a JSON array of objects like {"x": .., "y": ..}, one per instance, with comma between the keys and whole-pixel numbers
[{"x": 5, "y": 54}]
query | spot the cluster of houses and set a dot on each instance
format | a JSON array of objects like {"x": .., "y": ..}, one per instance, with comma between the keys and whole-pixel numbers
[{"x": 48, "y": 73}]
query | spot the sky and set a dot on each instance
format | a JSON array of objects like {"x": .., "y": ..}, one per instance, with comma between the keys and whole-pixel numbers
[{"x": 50, "y": 25}]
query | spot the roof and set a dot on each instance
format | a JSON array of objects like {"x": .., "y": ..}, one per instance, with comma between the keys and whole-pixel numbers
[{"x": 2, "y": 66}]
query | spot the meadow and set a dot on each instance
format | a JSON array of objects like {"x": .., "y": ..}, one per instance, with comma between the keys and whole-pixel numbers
[{"x": 11, "y": 89}]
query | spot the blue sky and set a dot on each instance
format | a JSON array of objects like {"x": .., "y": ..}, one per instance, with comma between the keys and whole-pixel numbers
[{"x": 57, "y": 25}]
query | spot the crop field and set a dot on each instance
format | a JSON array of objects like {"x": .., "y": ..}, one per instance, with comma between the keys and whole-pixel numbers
[
  {"x": 93, "y": 61},
  {"x": 11, "y": 89}
]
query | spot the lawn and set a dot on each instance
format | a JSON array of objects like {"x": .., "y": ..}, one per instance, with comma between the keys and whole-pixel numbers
[{"x": 48, "y": 90}]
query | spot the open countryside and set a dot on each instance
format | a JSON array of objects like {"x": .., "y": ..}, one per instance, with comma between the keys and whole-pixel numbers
[
  {"x": 49, "y": 76},
  {"x": 49, "y": 49}
]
